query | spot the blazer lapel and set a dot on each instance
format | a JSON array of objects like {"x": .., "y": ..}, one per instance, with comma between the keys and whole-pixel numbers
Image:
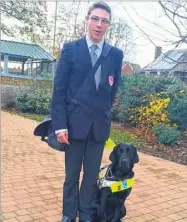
[
  {"x": 106, "y": 62},
  {"x": 106, "y": 49},
  {"x": 83, "y": 52}
]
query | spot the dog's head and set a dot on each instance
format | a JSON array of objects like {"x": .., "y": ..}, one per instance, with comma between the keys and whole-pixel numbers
[{"x": 124, "y": 156}]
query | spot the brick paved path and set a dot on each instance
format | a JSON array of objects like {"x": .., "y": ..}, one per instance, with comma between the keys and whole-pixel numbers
[{"x": 33, "y": 174}]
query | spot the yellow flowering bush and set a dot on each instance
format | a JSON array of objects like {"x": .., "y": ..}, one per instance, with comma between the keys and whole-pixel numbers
[{"x": 153, "y": 113}]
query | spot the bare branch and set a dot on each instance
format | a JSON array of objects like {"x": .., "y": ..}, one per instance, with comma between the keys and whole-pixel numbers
[
  {"x": 172, "y": 12},
  {"x": 150, "y": 39},
  {"x": 150, "y": 22},
  {"x": 172, "y": 20}
]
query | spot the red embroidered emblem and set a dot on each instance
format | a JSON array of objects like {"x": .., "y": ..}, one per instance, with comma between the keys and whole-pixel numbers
[{"x": 111, "y": 80}]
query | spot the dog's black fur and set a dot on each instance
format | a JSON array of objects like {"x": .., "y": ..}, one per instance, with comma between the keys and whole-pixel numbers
[{"x": 109, "y": 207}]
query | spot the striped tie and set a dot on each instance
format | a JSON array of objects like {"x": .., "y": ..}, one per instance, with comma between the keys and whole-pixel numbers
[{"x": 94, "y": 58}]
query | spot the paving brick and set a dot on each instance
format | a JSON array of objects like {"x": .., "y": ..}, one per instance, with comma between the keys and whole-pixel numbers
[
  {"x": 23, "y": 201},
  {"x": 164, "y": 219},
  {"x": 183, "y": 214},
  {"x": 5, "y": 199},
  {"x": 182, "y": 220},
  {"x": 144, "y": 210},
  {"x": 36, "y": 210},
  {"x": 40, "y": 220},
  {"x": 39, "y": 203},
  {"x": 49, "y": 196},
  {"x": 9, "y": 203},
  {"x": 148, "y": 217},
  {"x": 138, "y": 219},
  {"x": 24, "y": 218},
  {"x": 129, "y": 220},
  {"x": 6, "y": 209},
  {"x": 25, "y": 205},
  {"x": 51, "y": 206},
  {"x": 9, "y": 215},
  {"x": 175, "y": 216},
  {"x": 50, "y": 213},
  {"x": 10, "y": 220},
  {"x": 54, "y": 218},
  {"x": 22, "y": 212},
  {"x": 36, "y": 216},
  {"x": 159, "y": 213},
  {"x": 52, "y": 201}
]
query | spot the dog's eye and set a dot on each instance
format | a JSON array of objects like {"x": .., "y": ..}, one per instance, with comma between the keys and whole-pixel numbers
[{"x": 121, "y": 150}]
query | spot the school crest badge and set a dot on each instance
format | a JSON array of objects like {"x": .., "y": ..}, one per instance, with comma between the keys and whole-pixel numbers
[{"x": 111, "y": 80}]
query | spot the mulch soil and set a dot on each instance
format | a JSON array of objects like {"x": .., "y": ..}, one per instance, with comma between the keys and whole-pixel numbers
[{"x": 176, "y": 153}]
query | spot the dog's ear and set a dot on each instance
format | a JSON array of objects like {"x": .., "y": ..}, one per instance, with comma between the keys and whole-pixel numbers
[
  {"x": 112, "y": 156},
  {"x": 135, "y": 157}
]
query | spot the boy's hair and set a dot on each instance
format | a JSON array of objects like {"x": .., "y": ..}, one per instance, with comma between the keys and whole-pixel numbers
[{"x": 101, "y": 5}]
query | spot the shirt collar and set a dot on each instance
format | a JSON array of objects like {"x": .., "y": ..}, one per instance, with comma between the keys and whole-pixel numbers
[{"x": 90, "y": 43}]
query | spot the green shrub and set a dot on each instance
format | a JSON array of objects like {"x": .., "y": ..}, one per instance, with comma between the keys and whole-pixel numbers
[
  {"x": 130, "y": 95},
  {"x": 35, "y": 102},
  {"x": 166, "y": 134},
  {"x": 135, "y": 92},
  {"x": 177, "y": 109}
]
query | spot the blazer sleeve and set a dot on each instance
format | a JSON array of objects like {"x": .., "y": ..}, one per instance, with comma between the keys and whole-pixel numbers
[
  {"x": 58, "y": 106},
  {"x": 117, "y": 79}
]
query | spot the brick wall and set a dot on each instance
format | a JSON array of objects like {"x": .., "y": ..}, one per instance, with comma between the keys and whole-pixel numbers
[{"x": 14, "y": 81}]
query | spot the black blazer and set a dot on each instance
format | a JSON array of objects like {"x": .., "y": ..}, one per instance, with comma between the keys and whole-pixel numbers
[{"x": 76, "y": 106}]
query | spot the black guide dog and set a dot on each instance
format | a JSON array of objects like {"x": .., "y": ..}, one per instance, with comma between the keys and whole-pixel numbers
[{"x": 110, "y": 206}]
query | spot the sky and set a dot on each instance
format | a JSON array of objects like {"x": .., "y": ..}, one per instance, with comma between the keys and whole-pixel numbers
[
  {"x": 142, "y": 17},
  {"x": 142, "y": 14}
]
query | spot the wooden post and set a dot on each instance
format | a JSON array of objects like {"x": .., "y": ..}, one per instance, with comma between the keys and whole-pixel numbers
[
  {"x": 32, "y": 69},
  {"x": 41, "y": 68},
  {"x": 22, "y": 68},
  {"x": 5, "y": 65},
  {"x": 53, "y": 68}
]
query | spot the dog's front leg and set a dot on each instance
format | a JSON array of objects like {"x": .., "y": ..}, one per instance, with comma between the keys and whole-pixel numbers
[
  {"x": 116, "y": 217},
  {"x": 104, "y": 196}
]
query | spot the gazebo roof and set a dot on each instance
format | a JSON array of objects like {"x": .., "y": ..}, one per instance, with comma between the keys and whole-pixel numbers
[{"x": 21, "y": 52}]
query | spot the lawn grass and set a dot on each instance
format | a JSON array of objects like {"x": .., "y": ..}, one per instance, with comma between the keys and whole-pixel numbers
[
  {"x": 115, "y": 135},
  {"x": 37, "y": 117},
  {"x": 122, "y": 137}
]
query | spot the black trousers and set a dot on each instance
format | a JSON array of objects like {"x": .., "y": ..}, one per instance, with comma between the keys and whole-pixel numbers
[{"x": 87, "y": 153}]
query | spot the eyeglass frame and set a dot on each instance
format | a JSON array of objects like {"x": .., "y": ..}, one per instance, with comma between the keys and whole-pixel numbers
[{"x": 104, "y": 21}]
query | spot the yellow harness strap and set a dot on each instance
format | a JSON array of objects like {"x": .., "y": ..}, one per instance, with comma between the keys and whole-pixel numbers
[{"x": 115, "y": 186}]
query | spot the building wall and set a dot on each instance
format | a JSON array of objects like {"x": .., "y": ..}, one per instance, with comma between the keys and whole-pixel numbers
[
  {"x": 182, "y": 64},
  {"x": 126, "y": 69}
]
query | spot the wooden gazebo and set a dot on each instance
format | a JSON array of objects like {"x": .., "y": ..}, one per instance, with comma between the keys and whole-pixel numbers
[{"x": 34, "y": 60}]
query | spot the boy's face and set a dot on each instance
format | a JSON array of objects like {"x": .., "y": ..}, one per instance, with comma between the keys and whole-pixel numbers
[{"x": 97, "y": 22}]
